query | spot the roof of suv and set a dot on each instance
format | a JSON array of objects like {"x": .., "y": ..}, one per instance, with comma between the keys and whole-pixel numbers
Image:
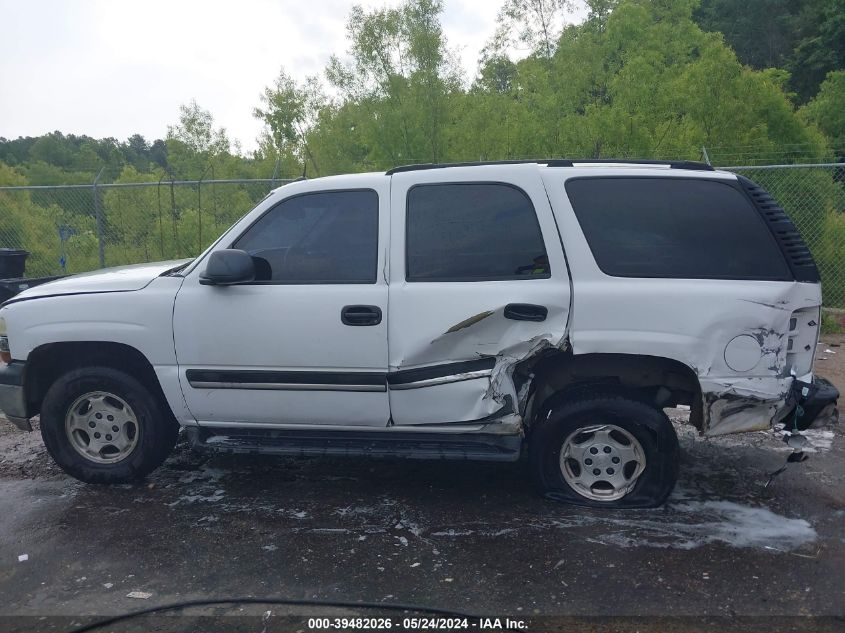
[{"x": 572, "y": 168}]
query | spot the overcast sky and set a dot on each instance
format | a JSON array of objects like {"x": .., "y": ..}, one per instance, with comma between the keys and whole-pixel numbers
[{"x": 114, "y": 68}]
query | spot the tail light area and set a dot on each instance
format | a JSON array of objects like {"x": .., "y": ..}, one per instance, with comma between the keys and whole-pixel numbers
[{"x": 804, "y": 328}]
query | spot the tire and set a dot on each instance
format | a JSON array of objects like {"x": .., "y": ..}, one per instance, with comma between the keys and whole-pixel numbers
[
  {"x": 144, "y": 443},
  {"x": 604, "y": 422}
]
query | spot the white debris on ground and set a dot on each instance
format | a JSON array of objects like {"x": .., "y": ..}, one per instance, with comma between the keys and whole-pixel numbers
[
  {"x": 694, "y": 517},
  {"x": 139, "y": 595},
  {"x": 217, "y": 495},
  {"x": 818, "y": 440},
  {"x": 691, "y": 519},
  {"x": 692, "y": 524}
]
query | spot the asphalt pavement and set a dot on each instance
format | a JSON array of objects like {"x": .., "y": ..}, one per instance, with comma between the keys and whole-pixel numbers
[{"x": 469, "y": 537}]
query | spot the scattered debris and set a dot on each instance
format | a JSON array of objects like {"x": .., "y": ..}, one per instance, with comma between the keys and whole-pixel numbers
[
  {"x": 140, "y": 595},
  {"x": 813, "y": 557},
  {"x": 23, "y": 557},
  {"x": 108, "y": 585}
]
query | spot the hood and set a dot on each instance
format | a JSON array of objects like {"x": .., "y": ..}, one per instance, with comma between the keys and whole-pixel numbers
[{"x": 118, "y": 279}]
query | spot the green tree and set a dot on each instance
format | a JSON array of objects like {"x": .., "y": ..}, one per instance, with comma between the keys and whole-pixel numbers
[
  {"x": 806, "y": 37},
  {"x": 533, "y": 24},
  {"x": 288, "y": 109},
  {"x": 827, "y": 111},
  {"x": 194, "y": 143},
  {"x": 763, "y": 33},
  {"x": 820, "y": 48},
  {"x": 400, "y": 76},
  {"x": 195, "y": 129}
]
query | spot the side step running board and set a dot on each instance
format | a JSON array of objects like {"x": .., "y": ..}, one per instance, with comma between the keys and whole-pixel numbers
[{"x": 413, "y": 445}]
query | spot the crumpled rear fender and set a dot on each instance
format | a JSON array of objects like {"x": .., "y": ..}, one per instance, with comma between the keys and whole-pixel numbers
[{"x": 739, "y": 405}]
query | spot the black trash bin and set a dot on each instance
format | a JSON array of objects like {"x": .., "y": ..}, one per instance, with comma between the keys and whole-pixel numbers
[{"x": 12, "y": 262}]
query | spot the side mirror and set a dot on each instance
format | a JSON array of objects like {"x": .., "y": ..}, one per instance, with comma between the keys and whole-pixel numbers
[{"x": 229, "y": 266}]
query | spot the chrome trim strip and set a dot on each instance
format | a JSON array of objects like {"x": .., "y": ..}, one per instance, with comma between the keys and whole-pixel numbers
[
  {"x": 442, "y": 380},
  {"x": 283, "y": 386},
  {"x": 421, "y": 428}
]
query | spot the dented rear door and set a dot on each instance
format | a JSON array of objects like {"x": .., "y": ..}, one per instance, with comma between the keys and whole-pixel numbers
[{"x": 478, "y": 282}]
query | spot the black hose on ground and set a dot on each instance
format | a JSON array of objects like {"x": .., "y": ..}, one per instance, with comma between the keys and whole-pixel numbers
[{"x": 339, "y": 604}]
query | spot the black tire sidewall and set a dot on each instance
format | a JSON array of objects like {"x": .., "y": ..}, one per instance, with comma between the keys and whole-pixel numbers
[
  {"x": 648, "y": 425},
  {"x": 155, "y": 439}
]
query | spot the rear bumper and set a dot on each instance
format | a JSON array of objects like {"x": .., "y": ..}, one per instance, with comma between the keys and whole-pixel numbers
[
  {"x": 819, "y": 406},
  {"x": 12, "y": 397}
]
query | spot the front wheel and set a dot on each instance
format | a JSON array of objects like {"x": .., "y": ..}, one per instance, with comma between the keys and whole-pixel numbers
[
  {"x": 604, "y": 450},
  {"x": 101, "y": 425}
]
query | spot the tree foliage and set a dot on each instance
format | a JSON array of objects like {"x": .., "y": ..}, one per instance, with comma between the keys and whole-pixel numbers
[
  {"x": 636, "y": 78},
  {"x": 534, "y": 24},
  {"x": 805, "y": 37},
  {"x": 827, "y": 110}
]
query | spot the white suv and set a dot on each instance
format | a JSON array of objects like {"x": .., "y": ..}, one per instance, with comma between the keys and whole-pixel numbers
[{"x": 440, "y": 311}]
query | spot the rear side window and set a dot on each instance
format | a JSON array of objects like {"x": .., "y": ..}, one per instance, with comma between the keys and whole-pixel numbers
[
  {"x": 675, "y": 228},
  {"x": 325, "y": 237},
  {"x": 473, "y": 232}
]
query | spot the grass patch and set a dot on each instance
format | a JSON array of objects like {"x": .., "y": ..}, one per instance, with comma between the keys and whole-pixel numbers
[{"x": 832, "y": 322}]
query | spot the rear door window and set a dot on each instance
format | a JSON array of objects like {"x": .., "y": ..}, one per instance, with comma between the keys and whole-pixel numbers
[
  {"x": 473, "y": 232},
  {"x": 674, "y": 228}
]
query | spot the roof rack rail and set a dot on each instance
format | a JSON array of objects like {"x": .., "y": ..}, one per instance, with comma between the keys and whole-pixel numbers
[
  {"x": 557, "y": 162},
  {"x": 672, "y": 164},
  {"x": 422, "y": 166}
]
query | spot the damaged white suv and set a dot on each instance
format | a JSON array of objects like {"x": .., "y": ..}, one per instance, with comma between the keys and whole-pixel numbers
[{"x": 441, "y": 311}]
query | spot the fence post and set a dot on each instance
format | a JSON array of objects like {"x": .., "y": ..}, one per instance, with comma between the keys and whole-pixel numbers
[
  {"x": 199, "y": 203},
  {"x": 275, "y": 173},
  {"x": 99, "y": 214},
  {"x": 173, "y": 217},
  {"x": 160, "y": 220}
]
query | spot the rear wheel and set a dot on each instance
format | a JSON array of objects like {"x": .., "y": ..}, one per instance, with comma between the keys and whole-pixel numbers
[
  {"x": 101, "y": 425},
  {"x": 604, "y": 450}
]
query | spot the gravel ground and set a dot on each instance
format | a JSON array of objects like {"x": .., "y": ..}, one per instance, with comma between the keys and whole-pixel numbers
[{"x": 465, "y": 536}]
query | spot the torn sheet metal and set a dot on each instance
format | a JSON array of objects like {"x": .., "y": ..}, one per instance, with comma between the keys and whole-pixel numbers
[
  {"x": 742, "y": 339},
  {"x": 486, "y": 334},
  {"x": 744, "y": 404}
]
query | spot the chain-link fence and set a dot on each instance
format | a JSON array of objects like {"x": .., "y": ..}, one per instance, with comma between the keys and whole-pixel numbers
[
  {"x": 814, "y": 197},
  {"x": 76, "y": 228}
]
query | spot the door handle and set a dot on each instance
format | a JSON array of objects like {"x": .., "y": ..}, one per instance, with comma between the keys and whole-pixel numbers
[
  {"x": 360, "y": 315},
  {"x": 526, "y": 312}
]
